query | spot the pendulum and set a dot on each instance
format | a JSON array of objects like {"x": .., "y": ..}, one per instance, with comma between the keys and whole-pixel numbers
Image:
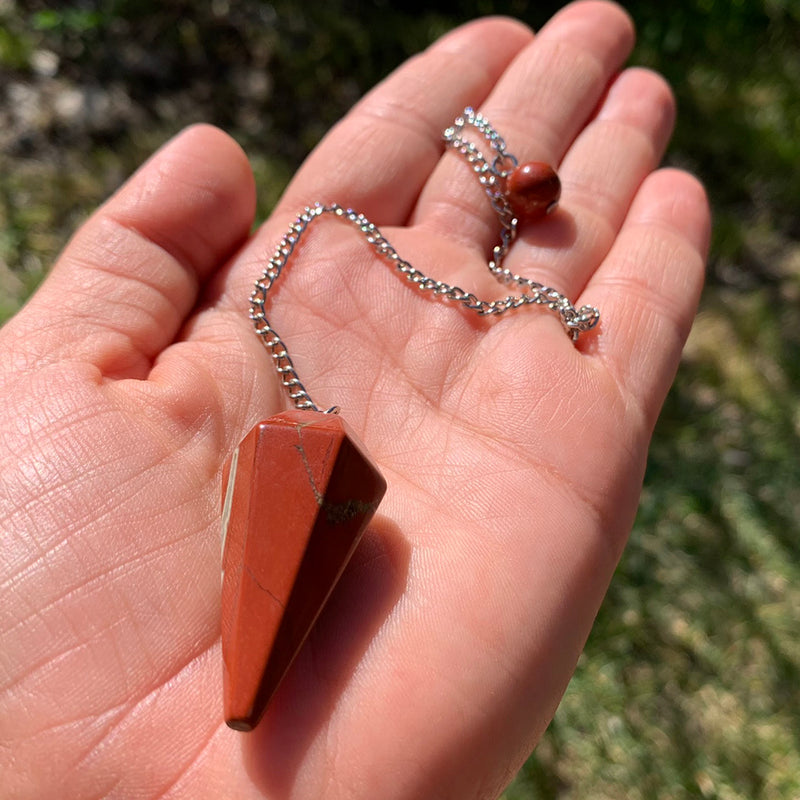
[{"x": 300, "y": 489}]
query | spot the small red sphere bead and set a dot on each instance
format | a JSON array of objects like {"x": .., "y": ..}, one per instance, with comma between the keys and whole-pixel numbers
[{"x": 533, "y": 190}]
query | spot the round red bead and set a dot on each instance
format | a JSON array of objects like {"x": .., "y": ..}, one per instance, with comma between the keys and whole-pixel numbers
[{"x": 533, "y": 190}]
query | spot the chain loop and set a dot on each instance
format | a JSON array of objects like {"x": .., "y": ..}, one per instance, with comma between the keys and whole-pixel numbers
[{"x": 491, "y": 175}]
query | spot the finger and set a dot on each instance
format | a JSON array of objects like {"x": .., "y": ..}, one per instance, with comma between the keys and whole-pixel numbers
[
  {"x": 379, "y": 156},
  {"x": 600, "y": 175},
  {"x": 539, "y": 106},
  {"x": 125, "y": 283},
  {"x": 649, "y": 285}
]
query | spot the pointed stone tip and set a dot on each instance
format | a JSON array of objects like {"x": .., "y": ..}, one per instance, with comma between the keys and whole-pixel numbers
[{"x": 245, "y": 725}]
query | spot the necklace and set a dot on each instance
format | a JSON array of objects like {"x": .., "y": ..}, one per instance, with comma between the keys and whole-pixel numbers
[{"x": 300, "y": 488}]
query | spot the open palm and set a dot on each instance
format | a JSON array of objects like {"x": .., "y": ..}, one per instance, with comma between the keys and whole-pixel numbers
[{"x": 513, "y": 458}]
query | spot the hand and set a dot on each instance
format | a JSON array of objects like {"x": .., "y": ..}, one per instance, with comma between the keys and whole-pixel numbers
[{"x": 514, "y": 459}]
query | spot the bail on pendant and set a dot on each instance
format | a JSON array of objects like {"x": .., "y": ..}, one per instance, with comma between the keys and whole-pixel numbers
[{"x": 297, "y": 493}]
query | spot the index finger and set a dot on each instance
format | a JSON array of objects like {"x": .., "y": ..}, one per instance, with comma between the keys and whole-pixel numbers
[{"x": 378, "y": 158}]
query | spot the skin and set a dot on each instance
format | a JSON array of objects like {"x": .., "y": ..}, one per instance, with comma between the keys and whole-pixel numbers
[{"x": 514, "y": 459}]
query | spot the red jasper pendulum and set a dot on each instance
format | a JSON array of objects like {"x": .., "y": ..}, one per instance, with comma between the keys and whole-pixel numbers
[{"x": 300, "y": 489}]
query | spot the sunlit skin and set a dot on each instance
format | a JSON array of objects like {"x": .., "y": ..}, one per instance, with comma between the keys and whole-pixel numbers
[{"x": 514, "y": 459}]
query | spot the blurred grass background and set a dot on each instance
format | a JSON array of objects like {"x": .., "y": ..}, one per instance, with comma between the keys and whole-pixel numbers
[{"x": 690, "y": 684}]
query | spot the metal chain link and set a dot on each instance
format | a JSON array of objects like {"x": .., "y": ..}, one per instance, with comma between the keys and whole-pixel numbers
[{"x": 491, "y": 176}]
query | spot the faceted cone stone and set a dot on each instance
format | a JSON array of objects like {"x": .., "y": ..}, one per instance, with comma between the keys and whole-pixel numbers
[{"x": 298, "y": 493}]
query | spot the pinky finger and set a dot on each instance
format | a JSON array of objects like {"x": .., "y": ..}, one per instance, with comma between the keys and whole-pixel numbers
[{"x": 649, "y": 285}]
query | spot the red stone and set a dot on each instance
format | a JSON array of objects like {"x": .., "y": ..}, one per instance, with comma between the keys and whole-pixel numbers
[
  {"x": 298, "y": 493},
  {"x": 533, "y": 190}
]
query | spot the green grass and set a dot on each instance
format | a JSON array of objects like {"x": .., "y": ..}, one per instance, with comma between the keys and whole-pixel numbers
[{"x": 689, "y": 683}]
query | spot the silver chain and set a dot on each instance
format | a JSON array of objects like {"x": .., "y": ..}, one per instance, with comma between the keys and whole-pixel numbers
[{"x": 491, "y": 176}]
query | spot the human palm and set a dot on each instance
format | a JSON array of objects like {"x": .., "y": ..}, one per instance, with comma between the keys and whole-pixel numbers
[{"x": 513, "y": 458}]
